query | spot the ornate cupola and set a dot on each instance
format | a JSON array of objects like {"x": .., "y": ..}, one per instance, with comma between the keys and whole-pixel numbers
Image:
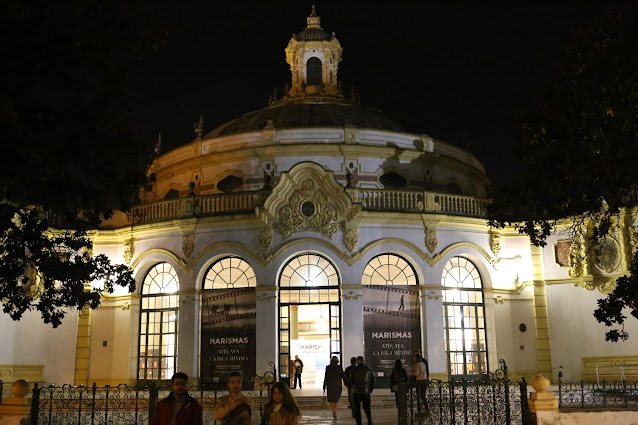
[{"x": 314, "y": 56}]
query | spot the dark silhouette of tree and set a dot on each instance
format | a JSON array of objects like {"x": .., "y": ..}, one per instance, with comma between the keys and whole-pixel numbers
[
  {"x": 580, "y": 141},
  {"x": 66, "y": 157}
]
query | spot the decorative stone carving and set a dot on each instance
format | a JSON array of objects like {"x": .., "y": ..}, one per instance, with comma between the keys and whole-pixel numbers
[
  {"x": 590, "y": 286},
  {"x": 562, "y": 251},
  {"x": 351, "y": 295},
  {"x": 188, "y": 245},
  {"x": 265, "y": 240},
  {"x": 606, "y": 254},
  {"x": 350, "y": 238},
  {"x": 577, "y": 258},
  {"x": 129, "y": 250},
  {"x": 433, "y": 295},
  {"x": 495, "y": 243},
  {"x": 605, "y": 287},
  {"x": 430, "y": 240},
  {"x": 308, "y": 198},
  {"x": 266, "y": 295},
  {"x": 632, "y": 241},
  {"x": 499, "y": 299}
]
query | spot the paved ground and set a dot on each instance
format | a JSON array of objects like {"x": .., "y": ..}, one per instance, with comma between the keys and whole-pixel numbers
[{"x": 324, "y": 417}]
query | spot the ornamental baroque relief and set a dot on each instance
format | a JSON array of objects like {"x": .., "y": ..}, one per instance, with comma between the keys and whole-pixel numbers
[
  {"x": 577, "y": 253},
  {"x": 188, "y": 245},
  {"x": 129, "y": 250},
  {"x": 309, "y": 209},
  {"x": 308, "y": 198},
  {"x": 632, "y": 241},
  {"x": 606, "y": 254},
  {"x": 430, "y": 240},
  {"x": 350, "y": 238},
  {"x": 495, "y": 243},
  {"x": 265, "y": 240},
  {"x": 605, "y": 287}
]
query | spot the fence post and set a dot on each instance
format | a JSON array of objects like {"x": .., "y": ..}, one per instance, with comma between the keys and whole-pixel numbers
[
  {"x": 560, "y": 390},
  {"x": 402, "y": 403},
  {"x": 153, "y": 393},
  {"x": 93, "y": 387},
  {"x": 508, "y": 410},
  {"x": 35, "y": 405},
  {"x": 526, "y": 414}
]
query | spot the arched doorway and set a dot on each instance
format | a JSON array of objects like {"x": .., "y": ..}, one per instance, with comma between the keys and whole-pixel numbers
[{"x": 309, "y": 316}]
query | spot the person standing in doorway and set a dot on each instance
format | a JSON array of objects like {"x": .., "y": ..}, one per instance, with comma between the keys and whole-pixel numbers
[
  {"x": 178, "y": 408},
  {"x": 332, "y": 384},
  {"x": 348, "y": 381},
  {"x": 235, "y": 408},
  {"x": 298, "y": 370},
  {"x": 362, "y": 379}
]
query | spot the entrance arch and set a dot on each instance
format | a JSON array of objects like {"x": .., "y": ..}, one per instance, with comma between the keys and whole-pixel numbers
[{"x": 309, "y": 315}]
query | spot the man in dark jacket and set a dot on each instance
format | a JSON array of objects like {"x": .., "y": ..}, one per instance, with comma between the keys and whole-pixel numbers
[
  {"x": 348, "y": 372},
  {"x": 178, "y": 408},
  {"x": 362, "y": 382}
]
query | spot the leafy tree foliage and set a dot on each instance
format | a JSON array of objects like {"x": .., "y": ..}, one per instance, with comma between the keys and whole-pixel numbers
[
  {"x": 580, "y": 141},
  {"x": 66, "y": 158}
]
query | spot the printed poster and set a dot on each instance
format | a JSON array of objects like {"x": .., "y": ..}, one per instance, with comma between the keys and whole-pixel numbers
[
  {"x": 391, "y": 326},
  {"x": 228, "y": 340}
]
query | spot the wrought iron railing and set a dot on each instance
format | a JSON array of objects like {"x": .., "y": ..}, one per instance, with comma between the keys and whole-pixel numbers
[
  {"x": 590, "y": 394},
  {"x": 1, "y": 388},
  {"x": 124, "y": 404},
  {"x": 370, "y": 199},
  {"x": 490, "y": 402}
]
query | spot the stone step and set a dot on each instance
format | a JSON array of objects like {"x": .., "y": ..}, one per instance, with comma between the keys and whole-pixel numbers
[{"x": 314, "y": 402}]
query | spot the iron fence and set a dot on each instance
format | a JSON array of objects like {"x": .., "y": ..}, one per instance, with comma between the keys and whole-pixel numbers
[
  {"x": 123, "y": 404},
  {"x": 1, "y": 388},
  {"x": 592, "y": 394},
  {"x": 492, "y": 399}
]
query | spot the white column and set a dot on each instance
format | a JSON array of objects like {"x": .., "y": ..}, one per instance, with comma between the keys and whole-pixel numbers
[
  {"x": 266, "y": 329},
  {"x": 434, "y": 330},
  {"x": 352, "y": 322}
]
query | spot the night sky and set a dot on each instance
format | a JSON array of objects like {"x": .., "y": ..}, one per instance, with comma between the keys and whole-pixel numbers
[{"x": 460, "y": 72}]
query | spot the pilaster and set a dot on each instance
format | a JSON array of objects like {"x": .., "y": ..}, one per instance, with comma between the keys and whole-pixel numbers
[
  {"x": 541, "y": 322},
  {"x": 83, "y": 348}
]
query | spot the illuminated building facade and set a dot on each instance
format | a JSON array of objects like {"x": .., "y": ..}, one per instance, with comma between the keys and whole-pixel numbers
[{"x": 318, "y": 227}]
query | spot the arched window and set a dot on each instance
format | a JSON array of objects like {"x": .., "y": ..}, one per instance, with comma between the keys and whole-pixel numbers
[
  {"x": 314, "y": 72},
  {"x": 388, "y": 269},
  {"x": 464, "y": 312},
  {"x": 158, "y": 323},
  {"x": 309, "y": 308},
  {"x": 230, "y": 273}
]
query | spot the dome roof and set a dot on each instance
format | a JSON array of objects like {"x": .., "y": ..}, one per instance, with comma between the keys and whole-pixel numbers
[
  {"x": 313, "y": 34},
  {"x": 308, "y": 115}
]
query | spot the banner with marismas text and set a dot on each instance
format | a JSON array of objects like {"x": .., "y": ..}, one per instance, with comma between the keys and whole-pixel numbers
[
  {"x": 228, "y": 340},
  {"x": 391, "y": 326}
]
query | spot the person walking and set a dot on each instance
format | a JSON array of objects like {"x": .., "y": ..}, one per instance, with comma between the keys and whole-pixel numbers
[
  {"x": 281, "y": 408},
  {"x": 332, "y": 384},
  {"x": 178, "y": 408},
  {"x": 362, "y": 379},
  {"x": 399, "y": 376},
  {"x": 298, "y": 363},
  {"x": 234, "y": 408},
  {"x": 348, "y": 373}
]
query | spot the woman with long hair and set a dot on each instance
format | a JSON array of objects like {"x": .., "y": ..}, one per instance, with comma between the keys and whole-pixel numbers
[
  {"x": 281, "y": 408},
  {"x": 399, "y": 375},
  {"x": 332, "y": 383}
]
